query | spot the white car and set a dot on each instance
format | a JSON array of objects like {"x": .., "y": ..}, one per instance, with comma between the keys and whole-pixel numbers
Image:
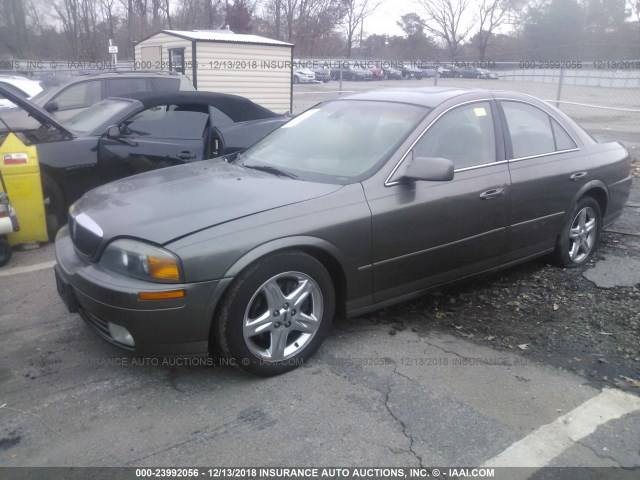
[
  {"x": 303, "y": 75},
  {"x": 23, "y": 85}
]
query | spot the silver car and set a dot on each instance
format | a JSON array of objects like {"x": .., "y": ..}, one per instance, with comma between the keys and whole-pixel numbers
[{"x": 80, "y": 92}]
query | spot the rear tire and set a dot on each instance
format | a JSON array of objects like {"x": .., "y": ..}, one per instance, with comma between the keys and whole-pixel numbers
[
  {"x": 5, "y": 251},
  {"x": 276, "y": 313},
  {"x": 580, "y": 235}
]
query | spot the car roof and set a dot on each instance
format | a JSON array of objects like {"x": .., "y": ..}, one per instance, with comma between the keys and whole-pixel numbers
[
  {"x": 239, "y": 109},
  {"x": 423, "y": 96},
  {"x": 433, "y": 96},
  {"x": 11, "y": 76},
  {"x": 17, "y": 80},
  {"x": 85, "y": 76}
]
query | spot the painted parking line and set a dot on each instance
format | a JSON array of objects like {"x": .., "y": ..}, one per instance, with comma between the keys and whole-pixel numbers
[
  {"x": 539, "y": 448},
  {"x": 30, "y": 268}
]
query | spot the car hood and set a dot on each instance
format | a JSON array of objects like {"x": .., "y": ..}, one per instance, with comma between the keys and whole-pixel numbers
[
  {"x": 33, "y": 110},
  {"x": 170, "y": 203}
]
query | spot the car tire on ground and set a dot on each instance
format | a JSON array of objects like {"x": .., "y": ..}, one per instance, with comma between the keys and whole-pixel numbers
[
  {"x": 580, "y": 235},
  {"x": 54, "y": 205},
  {"x": 276, "y": 313},
  {"x": 5, "y": 251}
]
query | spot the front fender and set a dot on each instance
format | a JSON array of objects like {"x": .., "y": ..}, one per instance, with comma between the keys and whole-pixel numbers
[{"x": 295, "y": 242}]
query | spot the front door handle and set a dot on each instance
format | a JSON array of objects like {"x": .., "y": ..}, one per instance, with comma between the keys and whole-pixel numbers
[
  {"x": 577, "y": 176},
  {"x": 186, "y": 155},
  {"x": 493, "y": 193}
]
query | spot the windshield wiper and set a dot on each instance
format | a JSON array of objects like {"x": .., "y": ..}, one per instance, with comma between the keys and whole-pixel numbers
[{"x": 272, "y": 170}]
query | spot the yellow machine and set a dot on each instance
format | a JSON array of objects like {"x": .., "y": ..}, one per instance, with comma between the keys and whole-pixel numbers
[{"x": 21, "y": 171}]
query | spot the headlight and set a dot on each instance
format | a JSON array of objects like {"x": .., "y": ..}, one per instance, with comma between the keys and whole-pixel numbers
[{"x": 141, "y": 260}]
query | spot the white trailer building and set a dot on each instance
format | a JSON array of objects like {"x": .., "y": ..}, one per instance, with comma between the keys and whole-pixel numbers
[{"x": 221, "y": 61}]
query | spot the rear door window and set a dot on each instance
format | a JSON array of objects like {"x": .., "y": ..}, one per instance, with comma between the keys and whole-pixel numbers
[
  {"x": 166, "y": 122},
  {"x": 529, "y": 128},
  {"x": 120, "y": 87}
]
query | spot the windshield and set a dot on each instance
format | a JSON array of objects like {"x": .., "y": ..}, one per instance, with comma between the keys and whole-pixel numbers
[
  {"x": 36, "y": 98},
  {"x": 96, "y": 115},
  {"x": 338, "y": 142}
]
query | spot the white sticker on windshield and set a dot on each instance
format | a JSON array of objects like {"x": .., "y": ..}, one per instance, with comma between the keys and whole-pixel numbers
[
  {"x": 480, "y": 112},
  {"x": 299, "y": 118}
]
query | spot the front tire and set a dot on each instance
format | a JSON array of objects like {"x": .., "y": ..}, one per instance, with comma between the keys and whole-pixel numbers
[
  {"x": 55, "y": 207},
  {"x": 276, "y": 313},
  {"x": 580, "y": 235}
]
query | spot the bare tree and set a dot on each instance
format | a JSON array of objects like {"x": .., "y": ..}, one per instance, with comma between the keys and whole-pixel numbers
[
  {"x": 356, "y": 12},
  {"x": 492, "y": 14},
  {"x": 13, "y": 27},
  {"x": 306, "y": 23},
  {"x": 68, "y": 12},
  {"x": 444, "y": 21},
  {"x": 275, "y": 10},
  {"x": 635, "y": 6},
  {"x": 290, "y": 8},
  {"x": 107, "y": 8}
]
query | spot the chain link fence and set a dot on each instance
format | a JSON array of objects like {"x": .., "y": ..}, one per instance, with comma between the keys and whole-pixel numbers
[{"x": 603, "y": 97}]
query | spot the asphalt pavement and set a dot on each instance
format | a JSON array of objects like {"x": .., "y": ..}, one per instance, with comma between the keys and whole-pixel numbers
[{"x": 371, "y": 396}]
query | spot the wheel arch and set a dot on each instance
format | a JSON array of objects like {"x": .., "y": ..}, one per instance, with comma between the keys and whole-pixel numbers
[
  {"x": 597, "y": 190},
  {"x": 323, "y": 251}
]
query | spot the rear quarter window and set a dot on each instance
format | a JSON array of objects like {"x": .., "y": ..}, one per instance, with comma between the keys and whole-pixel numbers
[
  {"x": 165, "y": 84},
  {"x": 120, "y": 87},
  {"x": 563, "y": 140}
]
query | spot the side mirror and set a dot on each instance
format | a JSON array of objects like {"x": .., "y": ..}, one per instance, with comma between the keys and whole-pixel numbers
[
  {"x": 113, "y": 132},
  {"x": 430, "y": 169},
  {"x": 52, "y": 107}
]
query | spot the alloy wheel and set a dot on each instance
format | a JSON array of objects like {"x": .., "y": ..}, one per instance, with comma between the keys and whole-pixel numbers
[
  {"x": 282, "y": 316},
  {"x": 582, "y": 234}
]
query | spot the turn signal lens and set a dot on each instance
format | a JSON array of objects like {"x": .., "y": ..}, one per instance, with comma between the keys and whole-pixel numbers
[
  {"x": 163, "y": 268},
  {"x": 162, "y": 295}
]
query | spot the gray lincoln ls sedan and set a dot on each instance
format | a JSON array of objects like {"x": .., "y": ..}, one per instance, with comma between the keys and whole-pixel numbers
[{"x": 355, "y": 204}]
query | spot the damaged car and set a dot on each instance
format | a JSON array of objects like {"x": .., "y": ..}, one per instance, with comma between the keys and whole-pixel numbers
[{"x": 119, "y": 137}]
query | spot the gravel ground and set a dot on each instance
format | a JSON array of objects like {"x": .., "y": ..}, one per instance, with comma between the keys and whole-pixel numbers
[{"x": 546, "y": 313}]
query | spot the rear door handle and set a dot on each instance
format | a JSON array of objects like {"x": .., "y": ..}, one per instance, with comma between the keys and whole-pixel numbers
[
  {"x": 577, "y": 176},
  {"x": 186, "y": 155},
  {"x": 493, "y": 193}
]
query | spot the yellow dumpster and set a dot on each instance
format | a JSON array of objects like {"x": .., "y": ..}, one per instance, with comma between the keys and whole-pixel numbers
[{"x": 21, "y": 172}]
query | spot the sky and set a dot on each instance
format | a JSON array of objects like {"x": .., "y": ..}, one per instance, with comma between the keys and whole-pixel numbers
[{"x": 383, "y": 21}]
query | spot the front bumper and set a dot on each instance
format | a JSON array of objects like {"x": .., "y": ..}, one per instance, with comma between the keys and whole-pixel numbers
[{"x": 159, "y": 327}]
